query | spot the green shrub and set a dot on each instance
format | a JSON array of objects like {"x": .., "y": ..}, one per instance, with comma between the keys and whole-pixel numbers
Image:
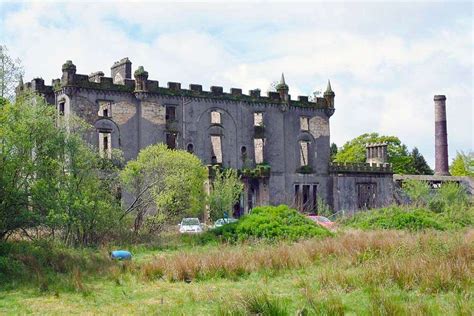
[
  {"x": 417, "y": 191},
  {"x": 395, "y": 217},
  {"x": 272, "y": 223}
]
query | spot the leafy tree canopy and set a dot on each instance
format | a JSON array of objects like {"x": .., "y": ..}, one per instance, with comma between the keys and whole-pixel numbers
[
  {"x": 226, "y": 190},
  {"x": 462, "y": 165},
  {"x": 398, "y": 155},
  {"x": 170, "y": 181}
]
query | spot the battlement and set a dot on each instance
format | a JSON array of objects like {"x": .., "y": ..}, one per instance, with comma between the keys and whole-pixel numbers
[
  {"x": 120, "y": 81},
  {"x": 339, "y": 167}
]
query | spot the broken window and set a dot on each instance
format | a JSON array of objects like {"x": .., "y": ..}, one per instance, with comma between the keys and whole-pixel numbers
[
  {"x": 259, "y": 144},
  {"x": 190, "y": 148},
  {"x": 61, "y": 108},
  {"x": 105, "y": 144},
  {"x": 304, "y": 153},
  {"x": 170, "y": 113},
  {"x": 215, "y": 117},
  {"x": 305, "y": 199},
  {"x": 105, "y": 108},
  {"x": 171, "y": 140},
  {"x": 304, "y": 123},
  {"x": 216, "y": 142},
  {"x": 258, "y": 119}
]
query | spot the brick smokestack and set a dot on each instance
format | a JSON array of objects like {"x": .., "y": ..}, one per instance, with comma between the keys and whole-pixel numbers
[{"x": 441, "y": 137}]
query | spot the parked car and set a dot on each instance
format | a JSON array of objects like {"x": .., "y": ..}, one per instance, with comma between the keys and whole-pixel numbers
[
  {"x": 323, "y": 221},
  {"x": 190, "y": 225},
  {"x": 222, "y": 221}
]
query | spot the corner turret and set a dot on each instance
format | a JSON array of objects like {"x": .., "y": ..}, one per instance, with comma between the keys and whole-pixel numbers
[
  {"x": 69, "y": 70},
  {"x": 329, "y": 96},
  {"x": 283, "y": 89},
  {"x": 141, "y": 78}
]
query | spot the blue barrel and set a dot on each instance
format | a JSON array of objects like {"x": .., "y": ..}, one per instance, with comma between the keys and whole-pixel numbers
[{"x": 121, "y": 255}]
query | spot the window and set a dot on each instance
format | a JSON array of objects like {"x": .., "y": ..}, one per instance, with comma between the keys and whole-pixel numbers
[
  {"x": 304, "y": 153},
  {"x": 171, "y": 140},
  {"x": 170, "y": 113},
  {"x": 105, "y": 145},
  {"x": 366, "y": 195},
  {"x": 258, "y": 119},
  {"x": 259, "y": 144},
  {"x": 304, "y": 123},
  {"x": 215, "y": 117},
  {"x": 61, "y": 108},
  {"x": 305, "y": 199},
  {"x": 105, "y": 109},
  {"x": 216, "y": 143},
  {"x": 190, "y": 148}
]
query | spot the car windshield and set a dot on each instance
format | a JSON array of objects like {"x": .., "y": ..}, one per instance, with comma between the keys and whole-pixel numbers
[
  {"x": 322, "y": 219},
  {"x": 190, "y": 221}
]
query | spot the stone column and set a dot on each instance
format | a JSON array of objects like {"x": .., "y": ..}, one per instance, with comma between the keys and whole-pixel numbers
[{"x": 441, "y": 137}]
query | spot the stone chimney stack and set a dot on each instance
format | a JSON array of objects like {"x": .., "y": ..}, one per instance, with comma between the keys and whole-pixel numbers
[
  {"x": 376, "y": 153},
  {"x": 441, "y": 137}
]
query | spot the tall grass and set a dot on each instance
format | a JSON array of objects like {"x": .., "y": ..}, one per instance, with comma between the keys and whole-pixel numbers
[{"x": 430, "y": 261}]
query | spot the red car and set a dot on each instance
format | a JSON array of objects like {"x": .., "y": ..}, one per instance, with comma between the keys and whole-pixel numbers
[{"x": 323, "y": 221}]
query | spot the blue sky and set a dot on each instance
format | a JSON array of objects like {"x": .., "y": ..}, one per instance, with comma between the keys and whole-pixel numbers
[{"x": 386, "y": 60}]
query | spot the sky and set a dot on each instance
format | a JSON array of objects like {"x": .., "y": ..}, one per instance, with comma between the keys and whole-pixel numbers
[{"x": 385, "y": 60}]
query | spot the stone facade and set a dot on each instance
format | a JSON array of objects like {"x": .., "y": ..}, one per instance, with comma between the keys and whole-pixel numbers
[{"x": 280, "y": 145}]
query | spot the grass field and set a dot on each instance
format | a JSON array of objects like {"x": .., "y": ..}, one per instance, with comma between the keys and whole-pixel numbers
[{"x": 355, "y": 272}]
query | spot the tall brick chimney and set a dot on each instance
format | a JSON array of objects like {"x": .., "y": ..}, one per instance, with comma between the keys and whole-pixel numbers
[{"x": 441, "y": 137}]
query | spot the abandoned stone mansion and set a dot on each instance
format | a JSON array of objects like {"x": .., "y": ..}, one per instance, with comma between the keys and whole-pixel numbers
[{"x": 281, "y": 145}]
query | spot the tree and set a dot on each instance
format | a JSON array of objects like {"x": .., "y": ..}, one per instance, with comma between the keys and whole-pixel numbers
[
  {"x": 49, "y": 177},
  {"x": 11, "y": 72},
  {"x": 226, "y": 190},
  {"x": 462, "y": 165},
  {"x": 398, "y": 155},
  {"x": 419, "y": 164},
  {"x": 169, "y": 182}
]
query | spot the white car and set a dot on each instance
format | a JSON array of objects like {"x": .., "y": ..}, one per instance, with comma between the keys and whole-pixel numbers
[
  {"x": 190, "y": 225},
  {"x": 222, "y": 221}
]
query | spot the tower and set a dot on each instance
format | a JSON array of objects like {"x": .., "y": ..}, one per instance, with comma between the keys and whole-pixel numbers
[
  {"x": 441, "y": 137},
  {"x": 329, "y": 95},
  {"x": 283, "y": 89}
]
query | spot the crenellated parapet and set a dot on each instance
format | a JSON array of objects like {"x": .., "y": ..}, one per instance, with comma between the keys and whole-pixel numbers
[
  {"x": 122, "y": 82},
  {"x": 343, "y": 167}
]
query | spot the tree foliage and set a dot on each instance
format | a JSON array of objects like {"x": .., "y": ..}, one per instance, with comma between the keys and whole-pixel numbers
[
  {"x": 226, "y": 190},
  {"x": 168, "y": 181},
  {"x": 49, "y": 177},
  {"x": 462, "y": 165},
  {"x": 420, "y": 165},
  {"x": 403, "y": 162},
  {"x": 11, "y": 72}
]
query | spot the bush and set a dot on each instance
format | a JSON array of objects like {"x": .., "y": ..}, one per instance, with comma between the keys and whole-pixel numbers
[
  {"x": 395, "y": 217},
  {"x": 272, "y": 223}
]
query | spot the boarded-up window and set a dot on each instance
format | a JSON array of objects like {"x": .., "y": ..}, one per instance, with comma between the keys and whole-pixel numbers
[
  {"x": 259, "y": 144},
  {"x": 366, "y": 195},
  {"x": 105, "y": 108},
  {"x": 215, "y": 117},
  {"x": 304, "y": 123},
  {"x": 258, "y": 119},
  {"x": 105, "y": 145},
  {"x": 216, "y": 149},
  {"x": 304, "y": 153},
  {"x": 170, "y": 115}
]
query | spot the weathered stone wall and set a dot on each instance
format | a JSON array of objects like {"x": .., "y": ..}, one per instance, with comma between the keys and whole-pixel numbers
[{"x": 343, "y": 190}]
